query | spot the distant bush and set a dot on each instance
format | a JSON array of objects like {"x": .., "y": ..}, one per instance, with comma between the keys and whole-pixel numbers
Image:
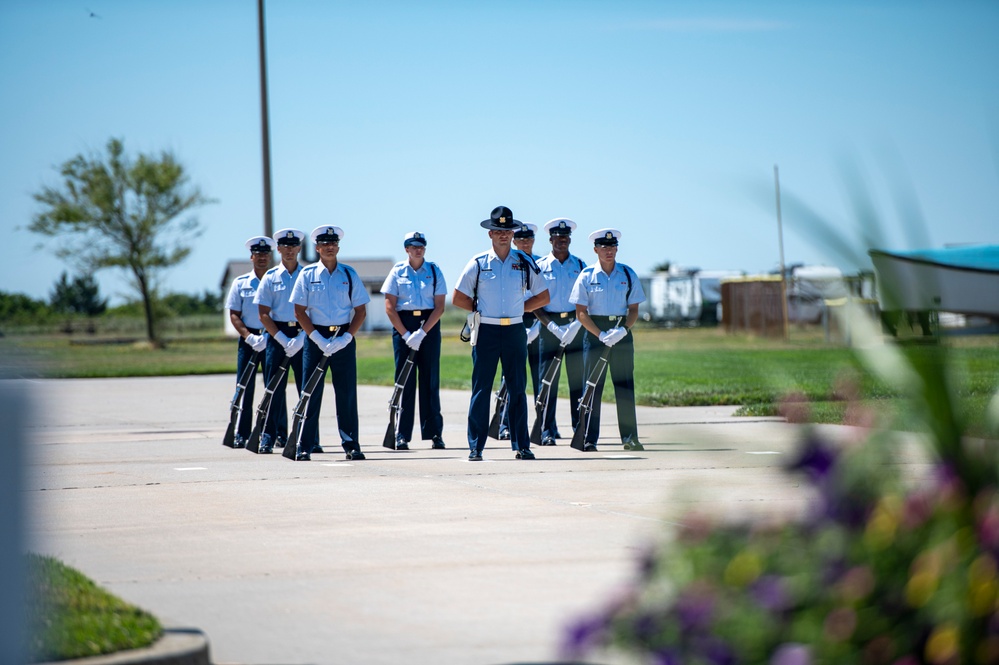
[{"x": 19, "y": 309}]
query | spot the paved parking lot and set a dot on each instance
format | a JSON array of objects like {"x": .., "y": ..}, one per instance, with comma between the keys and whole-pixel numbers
[{"x": 416, "y": 557}]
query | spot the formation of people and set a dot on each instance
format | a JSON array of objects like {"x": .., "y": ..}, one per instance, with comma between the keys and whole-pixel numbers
[{"x": 525, "y": 313}]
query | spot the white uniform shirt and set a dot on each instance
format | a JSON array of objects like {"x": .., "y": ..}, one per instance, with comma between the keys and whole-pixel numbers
[
  {"x": 275, "y": 292},
  {"x": 329, "y": 298},
  {"x": 240, "y": 299}
]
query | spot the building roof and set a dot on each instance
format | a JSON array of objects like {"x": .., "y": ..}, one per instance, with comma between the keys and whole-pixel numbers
[{"x": 969, "y": 257}]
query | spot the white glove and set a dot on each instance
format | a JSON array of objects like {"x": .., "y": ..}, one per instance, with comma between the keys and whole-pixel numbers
[
  {"x": 319, "y": 341},
  {"x": 294, "y": 345},
  {"x": 405, "y": 336},
  {"x": 569, "y": 332},
  {"x": 554, "y": 329},
  {"x": 532, "y": 332},
  {"x": 613, "y": 336},
  {"x": 416, "y": 338},
  {"x": 257, "y": 342},
  {"x": 338, "y": 343}
]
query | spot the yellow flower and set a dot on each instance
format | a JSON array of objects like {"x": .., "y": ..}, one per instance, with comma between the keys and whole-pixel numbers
[
  {"x": 943, "y": 644},
  {"x": 982, "y": 585},
  {"x": 743, "y": 569},
  {"x": 880, "y": 531}
]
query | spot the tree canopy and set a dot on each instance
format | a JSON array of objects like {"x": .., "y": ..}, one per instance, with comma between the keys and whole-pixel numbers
[{"x": 123, "y": 213}]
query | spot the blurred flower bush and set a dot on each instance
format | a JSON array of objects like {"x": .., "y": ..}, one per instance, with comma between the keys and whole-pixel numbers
[{"x": 885, "y": 569}]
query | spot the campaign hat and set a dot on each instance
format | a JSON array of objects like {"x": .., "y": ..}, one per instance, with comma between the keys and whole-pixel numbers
[{"x": 501, "y": 219}]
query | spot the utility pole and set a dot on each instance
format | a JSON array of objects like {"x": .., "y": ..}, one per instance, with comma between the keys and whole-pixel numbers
[
  {"x": 780, "y": 242},
  {"x": 264, "y": 121}
]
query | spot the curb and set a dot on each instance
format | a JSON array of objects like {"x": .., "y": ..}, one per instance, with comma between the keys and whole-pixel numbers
[{"x": 177, "y": 646}]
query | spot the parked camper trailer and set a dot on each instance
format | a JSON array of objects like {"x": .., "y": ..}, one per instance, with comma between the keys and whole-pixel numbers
[{"x": 685, "y": 296}]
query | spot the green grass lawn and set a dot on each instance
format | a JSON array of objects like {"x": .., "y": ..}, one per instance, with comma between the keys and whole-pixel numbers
[
  {"x": 71, "y": 617},
  {"x": 678, "y": 367}
]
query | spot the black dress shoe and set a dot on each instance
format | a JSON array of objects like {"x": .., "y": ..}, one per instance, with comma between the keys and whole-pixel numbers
[
  {"x": 589, "y": 447},
  {"x": 279, "y": 442},
  {"x": 633, "y": 445},
  {"x": 354, "y": 455},
  {"x": 525, "y": 453},
  {"x": 548, "y": 441},
  {"x": 504, "y": 435},
  {"x": 474, "y": 456},
  {"x": 239, "y": 442},
  {"x": 438, "y": 443},
  {"x": 303, "y": 457},
  {"x": 401, "y": 445},
  {"x": 316, "y": 449}
]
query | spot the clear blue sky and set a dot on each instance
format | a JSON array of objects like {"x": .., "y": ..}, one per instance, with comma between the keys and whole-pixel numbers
[{"x": 664, "y": 119}]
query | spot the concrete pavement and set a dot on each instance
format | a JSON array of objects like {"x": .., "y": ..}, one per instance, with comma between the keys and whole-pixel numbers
[{"x": 416, "y": 557}]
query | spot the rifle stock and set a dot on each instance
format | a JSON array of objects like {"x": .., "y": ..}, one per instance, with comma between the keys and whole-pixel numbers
[
  {"x": 294, "y": 445},
  {"x": 395, "y": 403},
  {"x": 541, "y": 406},
  {"x": 236, "y": 406},
  {"x": 501, "y": 402},
  {"x": 264, "y": 408},
  {"x": 586, "y": 401}
]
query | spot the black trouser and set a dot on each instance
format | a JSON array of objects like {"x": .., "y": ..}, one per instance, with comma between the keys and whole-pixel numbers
[
  {"x": 276, "y": 426},
  {"x": 426, "y": 370},
  {"x": 533, "y": 362},
  {"x": 342, "y": 368},
  {"x": 621, "y": 367}
]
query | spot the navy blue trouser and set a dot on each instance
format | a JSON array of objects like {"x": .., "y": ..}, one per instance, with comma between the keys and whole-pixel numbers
[
  {"x": 533, "y": 362},
  {"x": 276, "y": 426},
  {"x": 506, "y": 345},
  {"x": 572, "y": 361},
  {"x": 244, "y": 355},
  {"x": 426, "y": 371},
  {"x": 621, "y": 367},
  {"x": 342, "y": 369}
]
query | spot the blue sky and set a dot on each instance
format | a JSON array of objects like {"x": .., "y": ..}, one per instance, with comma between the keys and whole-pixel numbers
[{"x": 663, "y": 119}]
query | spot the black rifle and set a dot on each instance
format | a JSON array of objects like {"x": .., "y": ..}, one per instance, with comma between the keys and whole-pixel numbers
[
  {"x": 395, "y": 404},
  {"x": 264, "y": 408},
  {"x": 586, "y": 401},
  {"x": 502, "y": 401},
  {"x": 293, "y": 448},
  {"x": 544, "y": 395},
  {"x": 236, "y": 406}
]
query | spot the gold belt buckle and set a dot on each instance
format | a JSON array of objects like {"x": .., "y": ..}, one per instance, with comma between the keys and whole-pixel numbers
[
  {"x": 504, "y": 322},
  {"x": 563, "y": 315},
  {"x": 417, "y": 312},
  {"x": 292, "y": 324}
]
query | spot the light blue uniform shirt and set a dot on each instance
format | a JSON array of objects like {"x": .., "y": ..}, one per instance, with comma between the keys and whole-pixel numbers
[
  {"x": 325, "y": 295},
  {"x": 240, "y": 299},
  {"x": 607, "y": 295},
  {"x": 502, "y": 289},
  {"x": 560, "y": 278},
  {"x": 414, "y": 289},
  {"x": 275, "y": 292}
]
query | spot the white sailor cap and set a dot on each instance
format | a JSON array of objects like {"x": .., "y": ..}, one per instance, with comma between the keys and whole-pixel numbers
[
  {"x": 560, "y": 226},
  {"x": 289, "y": 237},
  {"x": 261, "y": 244},
  {"x": 605, "y": 237},
  {"x": 414, "y": 238},
  {"x": 525, "y": 231},
  {"x": 327, "y": 233}
]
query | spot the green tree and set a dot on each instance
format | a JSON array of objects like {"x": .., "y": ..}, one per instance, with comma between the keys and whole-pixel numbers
[
  {"x": 123, "y": 213},
  {"x": 81, "y": 296}
]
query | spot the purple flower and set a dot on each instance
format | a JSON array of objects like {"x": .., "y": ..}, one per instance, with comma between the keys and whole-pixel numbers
[
  {"x": 695, "y": 608},
  {"x": 792, "y": 654},
  {"x": 770, "y": 593},
  {"x": 815, "y": 457},
  {"x": 582, "y": 636}
]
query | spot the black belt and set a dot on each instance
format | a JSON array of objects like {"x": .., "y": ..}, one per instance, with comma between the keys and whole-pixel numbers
[
  {"x": 287, "y": 327},
  {"x": 332, "y": 331},
  {"x": 561, "y": 316},
  {"x": 608, "y": 322},
  {"x": 415, "y": 313},
  {"x": 253, "y": 331},
  {"x": 529, "y": 318}
]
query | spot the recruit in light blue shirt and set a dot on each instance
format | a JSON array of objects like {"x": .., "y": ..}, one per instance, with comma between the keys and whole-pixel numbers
[
  {"x": 607, "y": 295},
  {"x": 275, "y": 292},
  {"x": 240, "y": 299},
  {"x": 560, "y": 276},
  {"x": 502, "y": 289},
  {"x": 414, "y": 289},
  {"x": 325, "y": 295}
]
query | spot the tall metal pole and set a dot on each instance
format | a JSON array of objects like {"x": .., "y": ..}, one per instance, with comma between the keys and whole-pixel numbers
[
  {"x": 780, "y": 241},
  {"x": 264, "y": 121}
]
